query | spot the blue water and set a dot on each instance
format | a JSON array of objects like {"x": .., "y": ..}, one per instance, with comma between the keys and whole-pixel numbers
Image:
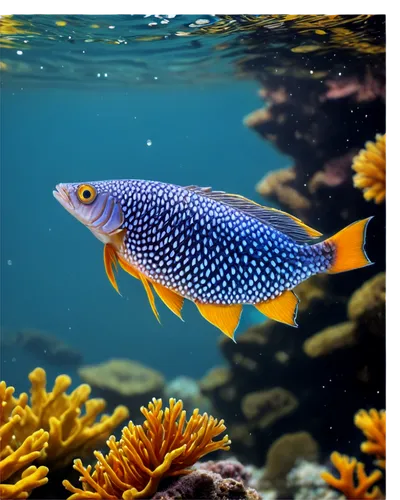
[{"x": 52, "y": 274}]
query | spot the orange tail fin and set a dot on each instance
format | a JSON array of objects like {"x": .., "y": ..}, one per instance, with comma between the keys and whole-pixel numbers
[{"x": 349, "y": 248}]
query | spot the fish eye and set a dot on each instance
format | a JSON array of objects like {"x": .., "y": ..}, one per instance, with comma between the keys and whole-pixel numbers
[{"x": 86, "y": 193}]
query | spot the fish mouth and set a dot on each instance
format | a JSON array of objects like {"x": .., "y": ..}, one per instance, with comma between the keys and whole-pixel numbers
[{"x": 61, "y": 194}]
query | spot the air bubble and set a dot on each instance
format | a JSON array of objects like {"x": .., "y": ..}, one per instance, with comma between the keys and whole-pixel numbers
[{"x": 149, "y": 142}]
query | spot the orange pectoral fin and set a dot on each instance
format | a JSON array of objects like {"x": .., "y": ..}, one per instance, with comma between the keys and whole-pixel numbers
[
  {"x": 171, "y": 299},
  {"x": 150, "y": 295},
  {"x": 225, "y": 317},
  {"x": 128, "y": 268},
  {"x": 110, "y": 264},
  {"x": 282, "y": 309}
]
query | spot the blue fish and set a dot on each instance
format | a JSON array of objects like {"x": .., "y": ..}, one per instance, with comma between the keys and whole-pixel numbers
[{"x": 219, "y": 250}]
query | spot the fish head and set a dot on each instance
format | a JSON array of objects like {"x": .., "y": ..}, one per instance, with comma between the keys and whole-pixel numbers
[{"x": 94, "y": 205}]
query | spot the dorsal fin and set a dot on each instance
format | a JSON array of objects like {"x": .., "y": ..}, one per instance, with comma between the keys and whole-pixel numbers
[{"x": 282, "y": 221}]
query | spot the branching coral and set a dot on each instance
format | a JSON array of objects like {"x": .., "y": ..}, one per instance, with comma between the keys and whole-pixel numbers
[
  {"x": 373, "y": 425},
  {"x": 370, "y": 165},
  {"x": 70, "y": 434},
  {"x": 345, "y": 483},
  {"x": 12, "y": 461},
  {"x": 165, "y": 445}
]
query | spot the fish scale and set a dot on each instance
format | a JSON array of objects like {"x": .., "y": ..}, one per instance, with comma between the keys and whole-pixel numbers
[
  {"x": 219, "y": 250},
  {"x": 207, "y": 251}
]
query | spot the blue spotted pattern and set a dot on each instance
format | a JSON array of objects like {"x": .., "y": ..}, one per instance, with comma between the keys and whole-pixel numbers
[{"x": 206, "y": 250}]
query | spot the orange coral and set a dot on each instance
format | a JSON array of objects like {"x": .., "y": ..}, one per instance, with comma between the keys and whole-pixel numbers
[
  {"x": 165, "y": 445},
  {"x": 345, "y": 483},
  {"x": 373, "y": 425},
  {"x": 12, "y": 461},
  {"x": 370, "y": 165},
  {"x": 70, "y": 434}
]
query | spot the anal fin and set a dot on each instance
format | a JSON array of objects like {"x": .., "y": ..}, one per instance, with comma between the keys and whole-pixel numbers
[
  {"x": 171, "y": 299},
  {"x": 225, "y": 317},
  {"x": 282, "y": 308}
]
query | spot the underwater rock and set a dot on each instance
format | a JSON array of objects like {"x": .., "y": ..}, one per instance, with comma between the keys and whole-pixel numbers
[
  {"x": 282, "y": 456},
  {"x": 123, "y": 381},
  {"x": 202, "y": 484},
  {"x": 305, "y": 483},
  {"x": 227, "y": 469},
  {"x": 45, "y": 346}
]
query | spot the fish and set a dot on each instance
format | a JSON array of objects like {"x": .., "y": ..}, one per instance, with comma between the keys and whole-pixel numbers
[{"x": 219, "y": 250}]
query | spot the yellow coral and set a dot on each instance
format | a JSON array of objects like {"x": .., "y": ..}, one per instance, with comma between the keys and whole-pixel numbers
[
  {"x": 12, "y": 461},
  {"x": 370, "y": 165},
  {"x": 373, "y": 425},
  {"x": 70, "y": 433},
  {"x": 165, "y": 445},
  {"x": 345, "y": 483}
]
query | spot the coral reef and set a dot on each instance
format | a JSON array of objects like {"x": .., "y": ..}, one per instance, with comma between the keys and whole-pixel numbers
[
  {"x": 280, "y": 381},
  {"x": 123, "y": 381},
  {"x": 212, "y": 480},
  {"x": 207, "y": 485},
  {"x": 49, "y": 432},
  {"x": 227, "y": 469},
  {"x": 366, "y": 322},
  {"x": 370, "y": 165},
  {"x": 282, "y": 456},
  {"x": 373, "y": 425},
  {"x": 70, "y": 433},
  {"x": 165, "y": 445},
  {"x": 18, "y": 477},
  {"x": 304, "y": 482},
  {"x": 345, "y": 483},
  {"x": 166, "y": 449}
]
